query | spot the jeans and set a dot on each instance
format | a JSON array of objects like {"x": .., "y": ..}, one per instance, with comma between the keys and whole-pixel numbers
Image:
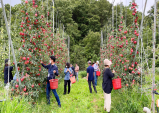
[
  {"x": 67, "y": 82},
  {"x": 95, "y": 78},
  {"x": 48, "y": 94},
  {"x": 90, "y": 88},
  {"x": 77, "y": 75}
]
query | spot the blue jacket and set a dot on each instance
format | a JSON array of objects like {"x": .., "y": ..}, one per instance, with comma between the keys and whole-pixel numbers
[
  {"x": 67, "y": 74},
  {"x": 51, "y": 68},
  {"x": 6, "y": 74}
]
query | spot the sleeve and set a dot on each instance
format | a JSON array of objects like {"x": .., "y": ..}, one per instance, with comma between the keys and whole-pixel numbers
[
  {"x": 57, "y": 73},
  {"x": 45, "y": 66},
  {"x": 65, "y": 70},
  {"x": 110, "y": 74},
  {"x": 71, "y": 70},
  {"x": 11, "y": 68},
  {"x": 88, "y": 70}
]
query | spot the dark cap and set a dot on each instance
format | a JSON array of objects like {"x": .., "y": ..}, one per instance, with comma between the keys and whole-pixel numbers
[{"x": 6, "y": 60}]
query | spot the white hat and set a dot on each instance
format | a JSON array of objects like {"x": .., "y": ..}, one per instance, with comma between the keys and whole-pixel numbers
[
  {"x": 107, "y": 62},
  {"x": 97, "y": 62}
]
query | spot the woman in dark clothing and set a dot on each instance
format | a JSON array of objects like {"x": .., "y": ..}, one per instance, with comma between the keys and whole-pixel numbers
[
  {"x": 6, "y": 68},
  {"x": 107, "y": 84}
]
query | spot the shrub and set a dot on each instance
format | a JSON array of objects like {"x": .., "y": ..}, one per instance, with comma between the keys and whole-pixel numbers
[
  {"x": 83, "y": 73},
  {"x": 130, "y": 101}
]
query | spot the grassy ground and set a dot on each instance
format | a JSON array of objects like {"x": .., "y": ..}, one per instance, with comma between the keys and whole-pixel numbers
[
  {"x": 81, "y": 101},
  {"x": 78, "y": 101}
]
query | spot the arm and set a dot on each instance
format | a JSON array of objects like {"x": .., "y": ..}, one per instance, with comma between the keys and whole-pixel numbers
[
  {"x": 56, "y": 73},
  {"x": 45, "y": 66},
  {"x": 65, "y": 70},
  {"x": 70, "y": 71},
  {"x": 110, "y": 74},
  {"x": 87, "y": 75}
]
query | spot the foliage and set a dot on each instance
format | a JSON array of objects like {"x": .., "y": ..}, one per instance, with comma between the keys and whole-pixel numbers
[
  {"x": 15, "y": 106},
  {"x": 83, "y": 73},
  {"x": 77, "y": 57},
  {"x": 121, "y": 50},
  {"x": 129, "y": 101},
  {"x": 92, "y": 44},
  {"x": 37, "y": 44},
  {"x": 81, "y": 101}
]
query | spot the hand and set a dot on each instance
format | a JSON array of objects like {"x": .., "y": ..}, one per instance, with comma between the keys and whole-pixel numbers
[
  {"x": 54, "y": 71},
  {"x": 113, "y": 71},
  {"x": 41, "y": 62},
  {"x": 68, "y": 70},
  {"x": 58, "y": 75}
]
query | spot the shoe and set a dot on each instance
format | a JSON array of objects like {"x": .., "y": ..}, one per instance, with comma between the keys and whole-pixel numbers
[
  {"x": 96, "y": 91},
  {"x": 64, "y": 93},
  {"x": 59, "y": 106}
]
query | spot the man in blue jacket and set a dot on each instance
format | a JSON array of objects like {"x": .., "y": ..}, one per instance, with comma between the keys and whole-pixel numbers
[
  {"x": 52, "y": 71},
  {"x": 90, "y": 77}
]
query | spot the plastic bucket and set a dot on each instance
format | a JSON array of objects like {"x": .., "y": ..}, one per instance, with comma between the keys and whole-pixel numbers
[
  {"x": 98, "y": 73},
  {"x": 73, "y": 79},
  {"x": 53, "y": 83},
  {"x": 116, "y": 83}
]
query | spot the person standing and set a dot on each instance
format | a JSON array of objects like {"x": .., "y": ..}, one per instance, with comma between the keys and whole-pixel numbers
[
  {"x": 6, "y": 68},
  {"x": 107, "y": 84},
  {"x": 67, "y": 72},
  {"x": 76, "y": 71},
  {"x": 52, "y": 71},
  {"x": 90, "y": 77},
  {"x": 73, "y": 69},
  {"x": 96, "y": 68}
]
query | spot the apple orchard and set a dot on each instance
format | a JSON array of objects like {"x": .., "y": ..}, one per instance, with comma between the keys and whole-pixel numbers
[
  {"x": 37, "y": 44},
  {"x": 121, "y": 50}
]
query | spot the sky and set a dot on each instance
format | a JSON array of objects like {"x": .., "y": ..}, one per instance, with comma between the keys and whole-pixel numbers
[
  {"x": 125, "y": 2},
  {"x": 140, "y": 4}
]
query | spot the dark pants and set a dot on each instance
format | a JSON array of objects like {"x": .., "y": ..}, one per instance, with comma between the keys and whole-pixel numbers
[
  {"x": 67, "y": 82},
  {"x": 90, "y": 88},
  {"x": 48, "y": 94}
]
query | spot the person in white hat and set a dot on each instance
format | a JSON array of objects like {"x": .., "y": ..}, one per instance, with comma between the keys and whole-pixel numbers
[
  {"x": 107, "y": 84},
  {"x": 96, "y": 68}
]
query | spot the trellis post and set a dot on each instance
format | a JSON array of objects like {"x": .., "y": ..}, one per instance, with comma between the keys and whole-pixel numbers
[{"x": 153, "y": 64}]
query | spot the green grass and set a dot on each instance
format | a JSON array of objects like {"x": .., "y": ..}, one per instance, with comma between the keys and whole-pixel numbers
[{"x": 81, "y": 101}]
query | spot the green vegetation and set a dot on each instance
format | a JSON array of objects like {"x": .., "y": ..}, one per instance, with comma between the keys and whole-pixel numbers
[{"x": 81, "y": 101}]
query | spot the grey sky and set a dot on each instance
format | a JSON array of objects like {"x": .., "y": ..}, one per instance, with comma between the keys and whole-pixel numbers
[
  {"x": 140, "y": 3},
  {"x": 13, "y": 2}
]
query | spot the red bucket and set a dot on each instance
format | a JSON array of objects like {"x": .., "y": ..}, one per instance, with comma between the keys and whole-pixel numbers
[
  {"x": 116, "y": 83},
  {"x": 98, "y": 73},
  {"x": 53, "y": 83},
  {"x": 73, "y": 79}
]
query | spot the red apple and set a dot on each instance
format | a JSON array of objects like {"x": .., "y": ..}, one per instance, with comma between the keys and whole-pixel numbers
[{"x": 16, "y": 85}]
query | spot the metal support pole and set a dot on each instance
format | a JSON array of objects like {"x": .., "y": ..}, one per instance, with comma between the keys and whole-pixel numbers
[
  {"x": 153, "y": 65},
  {"x": 113, "y": 15},
  {"x": 63, "y": 32},
  {"x": 68, "y": 49},
  {"x": 140, "y": 29},
  {"x": 53, "y": 23},
  {"x": 101, "y": 39},
  {"x": 9, "y": 36}
]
